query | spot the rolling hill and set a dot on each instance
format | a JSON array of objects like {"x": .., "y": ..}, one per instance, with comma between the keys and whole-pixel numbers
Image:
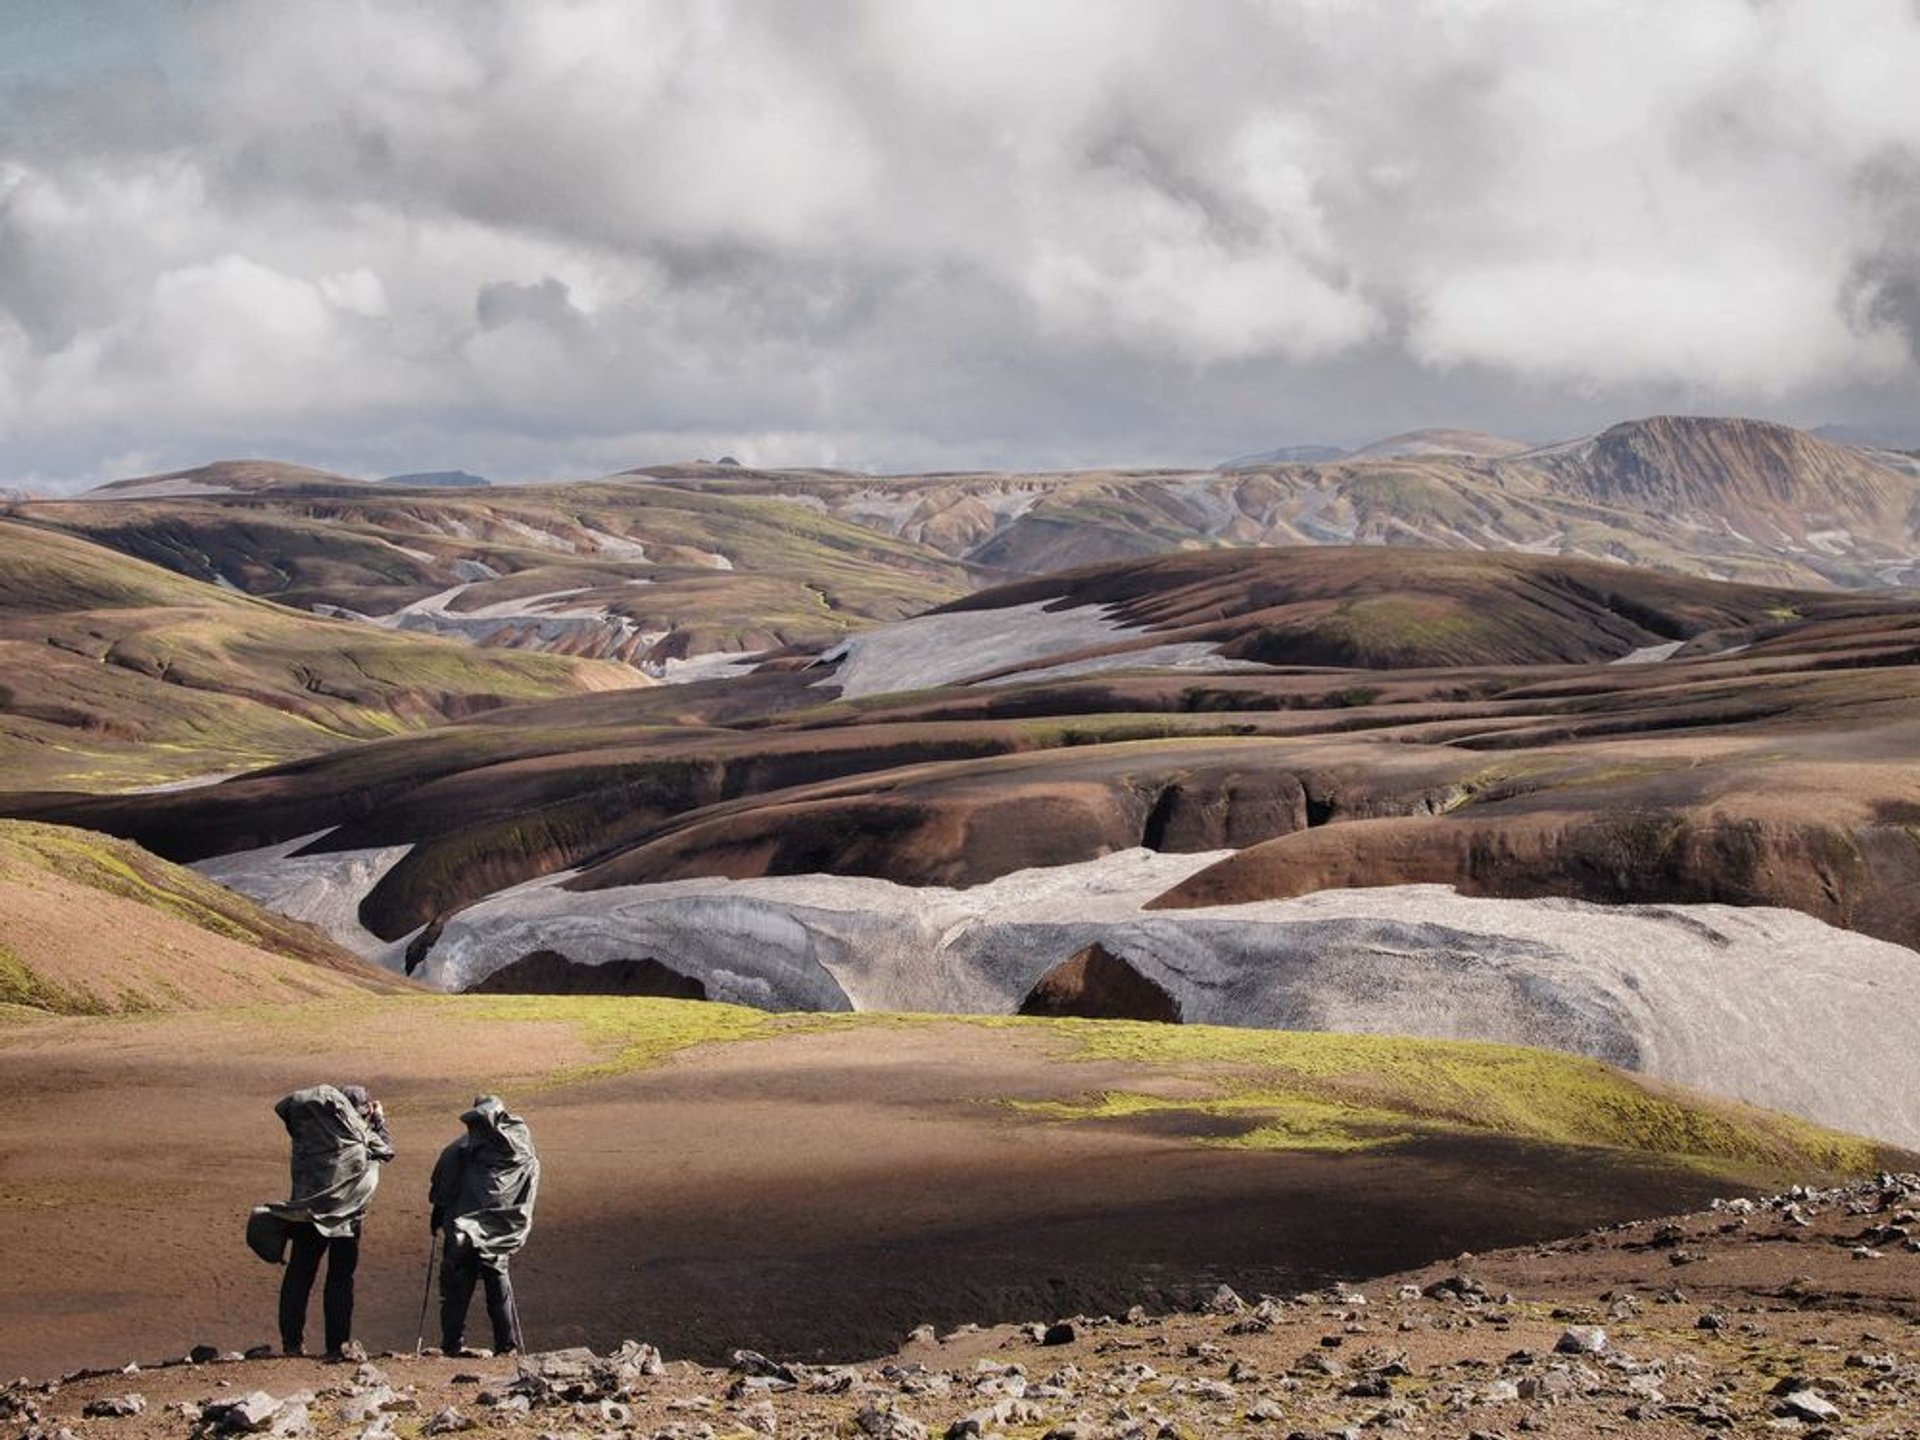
[
  {"x": 90, "y": 925},
  {"x": 1728, "y": 499},
  {"x": 672, "y": 562},
  {"x": 795, "y": 840},
  {"x": 116, "y": 673},
  {"x": 646, "y": 574}
]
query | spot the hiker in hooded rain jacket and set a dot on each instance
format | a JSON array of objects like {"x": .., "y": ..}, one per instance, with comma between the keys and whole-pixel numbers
[
  {"x": 340, "y": 1140},
  {"x": 482, "y": 1197}
]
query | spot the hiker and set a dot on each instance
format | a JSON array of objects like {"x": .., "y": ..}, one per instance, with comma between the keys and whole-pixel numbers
[
  {"x": 482, "y": 1197},
  {"x": 340, "y": 1139}
]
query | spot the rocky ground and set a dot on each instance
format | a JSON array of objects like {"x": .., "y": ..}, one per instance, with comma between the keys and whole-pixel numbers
[{"x": 1799, "y": 1314}]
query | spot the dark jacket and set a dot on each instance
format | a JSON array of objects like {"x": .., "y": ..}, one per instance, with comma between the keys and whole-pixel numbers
[
  {"x": 485, "y": 1182},
  {"x": 336, "y": 1156}
]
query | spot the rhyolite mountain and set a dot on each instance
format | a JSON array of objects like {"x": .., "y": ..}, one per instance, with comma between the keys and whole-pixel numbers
[
  {"x": 650, "y": 575},
  {"x": 668, "y": 563}
]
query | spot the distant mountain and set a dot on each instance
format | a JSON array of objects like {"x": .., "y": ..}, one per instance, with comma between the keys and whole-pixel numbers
[
  {"x": 1440, "y": 442},
  {"x": 652, "y": 574},
  {"x": 675, "y": 562},
  {"x": 1728, "y": 499},
  {"x": 452, "y": 479},
  {"x": 1286, "y": 455},
  {"x": 1412, "y": 442},
  {"x": 222, "y": 477}
]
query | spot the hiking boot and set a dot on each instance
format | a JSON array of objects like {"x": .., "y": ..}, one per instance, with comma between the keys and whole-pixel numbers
[{"x": 353, "y": 1352}]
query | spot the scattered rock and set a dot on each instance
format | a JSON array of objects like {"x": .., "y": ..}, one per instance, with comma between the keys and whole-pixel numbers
[
  {"x": 1224, "y": 1302},
  {"x": 1808, "y": 1405},
  {"x": 361, "y": 1406},
  {"x": 250, "y": 1412},
  {"x": 884, "y": 1424},
  {"x": 752, "y": 1362},
  {"x": 115, "y": 1406},
  {"x": 1581, "y": 1340}
]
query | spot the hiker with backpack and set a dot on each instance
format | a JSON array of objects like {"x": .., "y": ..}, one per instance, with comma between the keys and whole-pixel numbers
[
  {"x": 482, "y": 1196},
  {"x": 339, "y": 1137}
]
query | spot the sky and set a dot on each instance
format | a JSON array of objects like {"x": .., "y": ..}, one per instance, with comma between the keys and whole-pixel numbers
[{"x": 557, "y": 238}]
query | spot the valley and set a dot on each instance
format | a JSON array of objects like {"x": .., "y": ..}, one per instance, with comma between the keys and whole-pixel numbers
[{"x": 1332, "y": 839}]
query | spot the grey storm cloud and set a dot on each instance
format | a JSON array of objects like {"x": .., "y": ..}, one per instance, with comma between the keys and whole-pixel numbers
[
  {"x": 1886, "y": 277},
  {"x": 549, "y": 238}
]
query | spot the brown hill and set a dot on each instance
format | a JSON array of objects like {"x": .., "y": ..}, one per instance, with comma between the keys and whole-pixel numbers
[
  {"x": 1388, "y": 609},
  {"x": 1766, "y": 482},
  {"x": 1780, "y": 735},
  {"x": 117, "y": 673},
  {"x": 1725, "y": 498},
  {"x": 92, "y": 925},
  {"x": 643, "y": 573},
  {"x": 224, "y": 476}
]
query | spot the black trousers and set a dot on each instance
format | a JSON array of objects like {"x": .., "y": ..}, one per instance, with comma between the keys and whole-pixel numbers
[
  {"x": 460, "y": 1269},
  {"x": 307, "y": 1247}
]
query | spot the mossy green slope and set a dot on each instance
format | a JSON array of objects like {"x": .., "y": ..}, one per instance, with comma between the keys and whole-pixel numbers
[
  {"x": 1316, "y": 1091},
  {"x": 92, "y": 925},
  {"x": 115, "y": 673},
  {"x": 1271, "y": 1090}
]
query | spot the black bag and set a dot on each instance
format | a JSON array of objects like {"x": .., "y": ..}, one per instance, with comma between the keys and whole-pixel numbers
[{"x": 268, "y": 1235}]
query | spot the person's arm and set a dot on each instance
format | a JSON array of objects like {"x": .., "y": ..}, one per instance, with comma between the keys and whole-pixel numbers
[
  {"x": 443, "y": 1186},
  {"x": 381, "y": 1146}
]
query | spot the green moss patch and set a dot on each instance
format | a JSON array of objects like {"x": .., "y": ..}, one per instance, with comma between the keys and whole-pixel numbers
[
  {"x": 1299, "y": 1090},
  {"x": 629, "y": 1033},
  {"x": 24, "y": 994}
]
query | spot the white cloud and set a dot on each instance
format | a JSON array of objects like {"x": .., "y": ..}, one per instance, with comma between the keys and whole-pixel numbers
[{"x": 881, "y": 227}]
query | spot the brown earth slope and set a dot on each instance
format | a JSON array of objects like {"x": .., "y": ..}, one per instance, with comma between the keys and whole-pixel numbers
[
  {"x": 91, "y": 925},
  {"x": 1767, "y": 762},
  {"x": 619, "y": 569},
  {"x": 820, "y": 1189},
  {"x": 1734, "y": 1319},
  {"x": 116, "y": 673}
]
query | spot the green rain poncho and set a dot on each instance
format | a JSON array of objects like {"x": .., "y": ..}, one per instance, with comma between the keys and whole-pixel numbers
[
  {"x": 335, "y": 1155},
  {"x": 484, "y": 1183}
]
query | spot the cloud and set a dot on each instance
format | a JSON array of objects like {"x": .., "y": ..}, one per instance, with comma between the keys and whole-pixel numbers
[{"x": 904, "y": 232}]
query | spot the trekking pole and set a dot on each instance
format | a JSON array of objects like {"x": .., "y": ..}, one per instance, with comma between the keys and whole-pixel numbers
[{"x": 426, "y": 1294}]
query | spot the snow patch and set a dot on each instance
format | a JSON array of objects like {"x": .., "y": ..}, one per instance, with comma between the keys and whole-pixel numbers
[
  {"x": 950, "y": 649},
  {"x": 1764, "y": 1005},
  {"x": 1649, "y": 654},
  {"x": 323, "y": 890},
  {"x": 717, "y": 665}
]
